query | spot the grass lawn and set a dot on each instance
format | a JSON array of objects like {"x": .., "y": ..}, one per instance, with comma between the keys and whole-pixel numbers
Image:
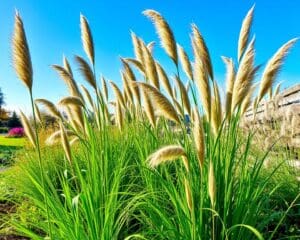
[
  {"x": 13, "y": 142},
  {"x": 8, "y": 148}
]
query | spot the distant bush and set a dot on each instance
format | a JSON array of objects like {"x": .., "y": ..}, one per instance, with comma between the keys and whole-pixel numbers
[
  {"x": 4, "y": 130},
  {"x": 16, "y": 132}
]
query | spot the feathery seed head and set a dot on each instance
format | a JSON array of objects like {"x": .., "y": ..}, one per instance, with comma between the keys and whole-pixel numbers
[
  {"x": 201, "y": 50},
  {"x": 68, "y": 79},
  {"x": 216, "y": 111},
  {"x": 202, "y": 83},
  {"x": 87, "y": 39},
  {"x": 149, "y": 110},
  {"x": 104, "y": 88},
  {"x": 277, "y": 89},
  {"x": 165, "y": 34},
  {"x": 86, "y": 71},
  {"x": 137, "y": 47},
  {"x": 137, "y": 64},
  {"x": 244, "y": 33},
  {"x": 184, "y": 95},
  {"x": 87, "y": 95},
  {"x": 150, "y": 67},
  {"x": 65, "y": 143},
  {"x": 54, "y": 137},
  {"x": 167, "y": 153},
  {"x": 67, "y": 66},
  {"x": 198, "y": 135},
  {"x": 160, "y": 102},
  {"x": 28, "y": 129},
  {"x": 21, "y": 54},
  {"x": 150, "y": 46},
  {"x": 185, "y": 62},
  {"x": 244, "y": 76},
  {"x": 128, "y": 70},
  {"x": 230, "y": 77},
  {"x": 188, "y": 194},
  {"x": 118, "y": 94},
  {"x": 69, "y": 101},
  {"x": 119, "y": 116},
  {"x": 212, "y": 184},
  {"x": 273, "y": 67},
  {"x": 37, "y": 113},
  {"x": 51, "y": 108},
  {"x": 164, "y": 79}
]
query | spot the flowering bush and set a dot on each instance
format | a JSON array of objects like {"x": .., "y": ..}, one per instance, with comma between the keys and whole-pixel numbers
[{"x": 16, "y": 132}]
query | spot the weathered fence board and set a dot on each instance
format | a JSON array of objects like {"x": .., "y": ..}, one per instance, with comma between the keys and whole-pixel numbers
[{"x": 287, "y": 100}]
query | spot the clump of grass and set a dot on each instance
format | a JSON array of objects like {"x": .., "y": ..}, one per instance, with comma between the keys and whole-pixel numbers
[{"x": 95, "y": 181}]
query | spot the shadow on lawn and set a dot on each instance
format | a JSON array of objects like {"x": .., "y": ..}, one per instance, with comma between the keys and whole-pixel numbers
[{"x": 7, "y": 154}]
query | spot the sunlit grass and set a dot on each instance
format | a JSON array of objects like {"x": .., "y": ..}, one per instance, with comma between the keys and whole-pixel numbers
[{"x": 12, "y": 142}]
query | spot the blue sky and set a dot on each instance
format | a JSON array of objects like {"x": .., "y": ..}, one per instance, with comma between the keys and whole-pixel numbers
[{"x": 52, "y": 29}]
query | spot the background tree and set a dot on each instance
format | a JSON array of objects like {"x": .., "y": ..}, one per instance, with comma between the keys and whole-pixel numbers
[
  {"x": 2, "y": 102},
  {"x": 14, "y": 121}
]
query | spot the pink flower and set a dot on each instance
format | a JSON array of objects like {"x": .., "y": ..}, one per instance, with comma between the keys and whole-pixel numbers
[{"x": 16, "y": 132}]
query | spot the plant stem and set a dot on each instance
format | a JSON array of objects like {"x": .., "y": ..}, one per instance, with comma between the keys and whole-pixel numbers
[{"x": 40, "y": 164}]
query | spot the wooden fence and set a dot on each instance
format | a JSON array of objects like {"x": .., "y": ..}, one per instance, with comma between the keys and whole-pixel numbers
[{"x": 285, "y": 103}]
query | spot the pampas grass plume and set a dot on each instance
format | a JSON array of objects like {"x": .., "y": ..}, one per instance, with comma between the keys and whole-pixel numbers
[
  {"x": 273, "y": 67},
  {"x": 185, "y": 62},
  {"x": 21, "y": 54},
  {"x": 165, "y": 34},
  {"x": 202, "y": 83},
  {"x": 67, "y": 66},
  {"x": 70, "y": 100},
  {"x": 87, "y": 95},
  {"x": 118, "y": 93},
  {"x": 87, "y": 39},
  {"x": 244, "y": 33},
  {"x": 188, "y": 194},
  {"x": 68, "y": 79},
  {"x": 65, "y": 143},
  {"x": 86, "y": 71},
  {"x": 137, "y": 47},
  {"x": 28, "y": 129},
  {"x": 52, "y": 109},
  {"x": 184, "y": 95},
  {"x": 160, "y": 102},
  {"x": 150, "y": 46},
  {"x": 201, "y": 50},
  {"x": 149, "y": 110},
  {"x": 163, "y": 77},
  {"x": 198, "y": 135},
  {"x": 230, "y": 77},
  {"x": 168, "y": 153},
  {"x": 212, "y": 184},
  {"x": 150, "y": 67}
]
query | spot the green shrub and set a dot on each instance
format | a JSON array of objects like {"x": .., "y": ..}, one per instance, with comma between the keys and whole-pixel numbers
[{"x": 4, "y": 130}]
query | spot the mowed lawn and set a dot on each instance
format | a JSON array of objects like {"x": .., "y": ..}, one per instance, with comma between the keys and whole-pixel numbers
[{"x": 13, "y": 142}]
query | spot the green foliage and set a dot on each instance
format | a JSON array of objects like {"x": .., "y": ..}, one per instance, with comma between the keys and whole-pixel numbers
[
  {"x": 14, "y": 121},
  {"x": 4, "y": 130},
  {"x": 9, "y": 148},
  {"x": 2, "y": 102},
  {"x": 109, "y": 192}
]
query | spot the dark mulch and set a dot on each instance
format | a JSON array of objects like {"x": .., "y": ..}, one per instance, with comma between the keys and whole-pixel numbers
[
  {"x": 12, "y": 237},
  {"x": 7, "y": 208}
]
